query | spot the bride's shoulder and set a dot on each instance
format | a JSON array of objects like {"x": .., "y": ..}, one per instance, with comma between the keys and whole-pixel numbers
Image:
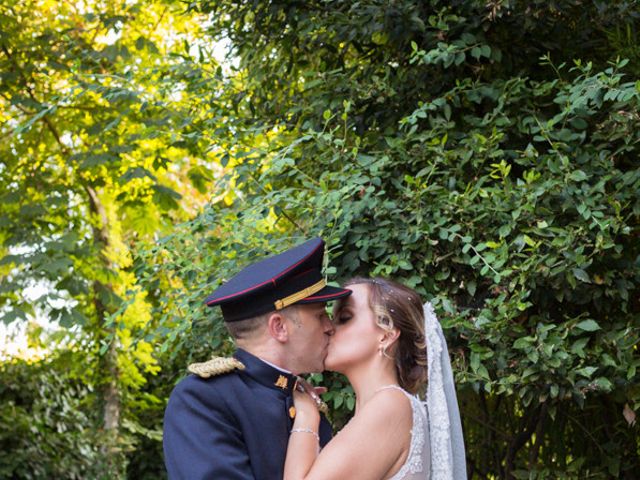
[
  {"x": 382, "y": 424},
  {"x": 389, "y": 404},
  {"x": 375, "y": 442}
]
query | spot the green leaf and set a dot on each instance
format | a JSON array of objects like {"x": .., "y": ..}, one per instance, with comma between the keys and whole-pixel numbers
[
  {"x": 471, "y": 287},
  {"x": 523, "y": 343},
  {"x": 586, "y": 371},
  {"x": 200, "y": 178},
  {"x": 11, "y": 315},
  {"x": 603, "y": 384},
  {"x": 350, "y": 402},
  {"x": 578, "y": 176},
  {"x": 588, "y": 325},
  {"x": 136, "y": 172},
  {"x": 475, "y": 361},
  {"x": 504, "y": 230},
  {"x": 404, "y": 265},
  {"x": 578, "y": 346},
  {"x": 581, "y": 275},
  {"x": 542, "y": 224},
  {"x": 166, "y": 197},
  {"x": 579, "y": 123},
  {"x": 56, "y": 267},
  {"x": 529, "y": 241},
  {"x": 96, "y": 159},
  {"x": 34, "y": 118}
]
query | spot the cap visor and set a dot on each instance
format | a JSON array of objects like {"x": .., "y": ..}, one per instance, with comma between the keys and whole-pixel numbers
[{"x": 327, "y": 294}]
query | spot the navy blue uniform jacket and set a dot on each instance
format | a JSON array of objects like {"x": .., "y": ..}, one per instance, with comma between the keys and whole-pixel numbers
[{"x": 233, "y": 426}]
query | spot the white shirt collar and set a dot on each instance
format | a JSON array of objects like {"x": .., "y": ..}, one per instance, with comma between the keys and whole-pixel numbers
[{"x": 276, "y": 366}]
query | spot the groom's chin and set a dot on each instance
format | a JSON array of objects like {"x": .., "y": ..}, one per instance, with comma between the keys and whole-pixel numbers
[
  {"x": 326, "y": 365},
  {"x": 321, "y": 368}
]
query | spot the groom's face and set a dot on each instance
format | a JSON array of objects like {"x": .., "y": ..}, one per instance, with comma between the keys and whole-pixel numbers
[{"x": 310, "y": 329}]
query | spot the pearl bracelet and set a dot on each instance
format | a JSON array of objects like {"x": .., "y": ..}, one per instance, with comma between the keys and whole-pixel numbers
[{"x": 306, "y": 430}]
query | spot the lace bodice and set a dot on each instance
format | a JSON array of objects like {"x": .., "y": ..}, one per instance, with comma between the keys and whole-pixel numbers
[{"x": 418, "y": 462}]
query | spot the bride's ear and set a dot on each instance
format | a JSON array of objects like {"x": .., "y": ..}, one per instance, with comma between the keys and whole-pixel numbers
[{"x": 390, "y": 337}]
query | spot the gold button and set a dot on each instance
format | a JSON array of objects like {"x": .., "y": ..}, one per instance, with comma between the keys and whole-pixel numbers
[{"x": 292, "y": 412}]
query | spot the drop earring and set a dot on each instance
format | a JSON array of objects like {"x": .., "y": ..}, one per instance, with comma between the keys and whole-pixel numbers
[{"x": 382, "y": 350}]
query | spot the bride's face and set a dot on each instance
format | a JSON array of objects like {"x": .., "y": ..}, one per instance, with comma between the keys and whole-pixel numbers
[{"x": 357, "y": 336}]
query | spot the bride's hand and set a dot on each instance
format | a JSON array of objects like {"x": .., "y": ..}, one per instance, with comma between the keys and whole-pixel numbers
[{"x": 306, "y": 399}]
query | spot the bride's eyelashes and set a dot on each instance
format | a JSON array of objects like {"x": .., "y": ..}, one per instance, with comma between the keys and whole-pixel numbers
[{"x": 342, "y": 317}]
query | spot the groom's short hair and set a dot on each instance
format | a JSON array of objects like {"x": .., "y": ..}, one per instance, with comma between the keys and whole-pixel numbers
[{"x": 244, "y": 329}]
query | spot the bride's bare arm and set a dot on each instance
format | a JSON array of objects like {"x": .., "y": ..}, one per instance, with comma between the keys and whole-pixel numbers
[
  {"x": 304, "y": 441},
  {"x": 372, "y": 445}
]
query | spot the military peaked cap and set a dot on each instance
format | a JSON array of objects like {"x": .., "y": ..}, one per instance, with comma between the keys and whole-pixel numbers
[{"x": 292, "y": 277}]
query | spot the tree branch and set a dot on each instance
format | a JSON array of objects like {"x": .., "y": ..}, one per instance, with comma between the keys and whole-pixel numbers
[
  {"x": 519, "y": 440},
  {"x": 45, "y": 118},
  {"x": 535, "y": 450}
]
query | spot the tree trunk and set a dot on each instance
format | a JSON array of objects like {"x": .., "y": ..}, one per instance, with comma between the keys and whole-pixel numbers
[
  {"x": 109, "y": 361},
  {"x": 111, "y": 391}
]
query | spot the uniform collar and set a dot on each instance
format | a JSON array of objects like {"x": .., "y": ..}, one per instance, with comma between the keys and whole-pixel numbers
[
  {"x": 276, "y": 367},
  {"x": 266, "y": 374}
]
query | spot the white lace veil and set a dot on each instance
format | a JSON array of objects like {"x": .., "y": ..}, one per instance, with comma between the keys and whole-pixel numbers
[{"x": 444, "y": 426}]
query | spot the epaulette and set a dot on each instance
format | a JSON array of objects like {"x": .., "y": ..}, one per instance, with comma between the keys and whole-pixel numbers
[{"x": 216, "y": 366}]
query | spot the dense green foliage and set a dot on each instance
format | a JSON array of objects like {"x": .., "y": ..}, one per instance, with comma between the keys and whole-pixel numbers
[
  {"x": 487, "y": 156},
  {"x": 484, "y": 153},
  {"x": 46, "y": 426}
]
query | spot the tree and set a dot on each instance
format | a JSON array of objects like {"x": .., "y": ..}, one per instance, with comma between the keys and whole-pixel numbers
[{"x": 92, "y": 161}]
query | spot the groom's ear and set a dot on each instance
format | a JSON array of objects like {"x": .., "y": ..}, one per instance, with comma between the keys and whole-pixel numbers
[{"x": 277, "y": 327}]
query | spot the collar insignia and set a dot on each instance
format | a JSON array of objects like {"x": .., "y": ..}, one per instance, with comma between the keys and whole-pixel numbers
[{"x": 282, "y": 382}]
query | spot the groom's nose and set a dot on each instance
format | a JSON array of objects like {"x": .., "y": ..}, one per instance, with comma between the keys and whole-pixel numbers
[{"x": 328, "y": 326}]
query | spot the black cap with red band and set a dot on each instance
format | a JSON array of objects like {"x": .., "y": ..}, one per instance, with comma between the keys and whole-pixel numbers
[{"x": 292, "y": 277}]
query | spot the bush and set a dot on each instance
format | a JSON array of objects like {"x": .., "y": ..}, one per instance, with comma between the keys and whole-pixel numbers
[
  {"x": 46, "y": 428},
  {"x": 484, "y": 154}
]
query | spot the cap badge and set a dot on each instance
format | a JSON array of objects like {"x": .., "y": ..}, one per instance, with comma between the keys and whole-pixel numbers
[{"x": 282, "y": 382}]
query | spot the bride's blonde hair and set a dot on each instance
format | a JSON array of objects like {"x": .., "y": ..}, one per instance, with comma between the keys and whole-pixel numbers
[{"x": 396, "y": 305}]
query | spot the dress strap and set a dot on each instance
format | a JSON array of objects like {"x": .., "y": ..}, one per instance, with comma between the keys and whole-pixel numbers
[{"x": 393, "y": 386}]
